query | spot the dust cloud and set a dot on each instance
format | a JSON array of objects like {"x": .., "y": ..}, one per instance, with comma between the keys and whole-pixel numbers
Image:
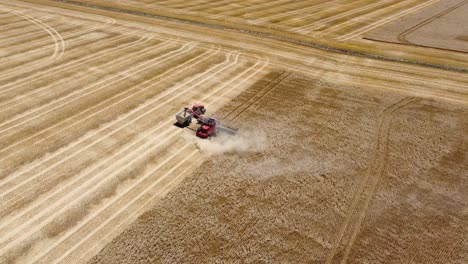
[{"x": 224, "y": 143}]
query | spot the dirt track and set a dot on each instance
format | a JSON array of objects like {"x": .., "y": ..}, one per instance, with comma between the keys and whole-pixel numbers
[{"x": 87, "y": 102}]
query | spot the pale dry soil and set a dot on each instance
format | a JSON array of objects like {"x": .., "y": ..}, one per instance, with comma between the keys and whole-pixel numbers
[
  {"x": 335, "y": 173},
  {"x": 442, "y": 25}
]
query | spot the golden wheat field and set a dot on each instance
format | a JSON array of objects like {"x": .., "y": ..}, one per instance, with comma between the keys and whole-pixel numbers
[{"x": 352, "y": 143}]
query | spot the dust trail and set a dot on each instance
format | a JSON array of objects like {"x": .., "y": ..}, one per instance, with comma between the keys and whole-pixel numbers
[{"x": 224, "y": 143}]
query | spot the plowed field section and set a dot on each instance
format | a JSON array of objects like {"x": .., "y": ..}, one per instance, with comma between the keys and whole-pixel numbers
[{"x": 86, "y": 135}]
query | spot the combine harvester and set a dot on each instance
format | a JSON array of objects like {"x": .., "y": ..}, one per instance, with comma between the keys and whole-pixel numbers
[{"x": 208, "y": 126}]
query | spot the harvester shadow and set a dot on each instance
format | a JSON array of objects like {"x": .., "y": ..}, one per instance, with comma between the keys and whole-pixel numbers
[{"x": 183, "y": 126}]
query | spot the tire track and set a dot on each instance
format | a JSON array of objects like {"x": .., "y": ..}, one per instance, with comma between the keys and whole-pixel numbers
[
  {"x": 317, "y": 25},
  {"x": 34, "y": 65},
  {"x": 59, "y": 43},
  {"x": 257, "y": 97},
  {"x": 369, "y": 180},
  {"x": 376, "y": 169},
  {"x": 37, "y": 65}
]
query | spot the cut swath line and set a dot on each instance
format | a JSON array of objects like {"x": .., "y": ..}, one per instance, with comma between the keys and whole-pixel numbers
[
  {"x": 127, "y": 149},
  {"x": 29, "y": 96},
  {"x": 58, "y": 40},
  {"x": 207, "y": 96},
  {"x": 14, "y": 72},
  {"x": 147, "y": 151},
  {"x": 81, "y": 93},
  {"x": 94, "y": 113}
]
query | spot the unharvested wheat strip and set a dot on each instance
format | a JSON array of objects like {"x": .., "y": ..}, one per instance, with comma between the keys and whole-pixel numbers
[
  {"x": 59, "y": 42},
  {"x": 53, "y": 70},
  {"x": 108, "y": 236},
  {"x": 141, "y": 151},
  {"x": 366, "y": 17},
  {"x": 129, "y": 122},
  {"x": 82, "y": 93},
  {"x": 27, "y": 96},
  {"x": 386, "y": 20},
  {"x": 204, "y": 98},
  {"x": 151, "y": 102},
  {"x": 323, "y": 22},
  {"x": 292, "y": 11}
]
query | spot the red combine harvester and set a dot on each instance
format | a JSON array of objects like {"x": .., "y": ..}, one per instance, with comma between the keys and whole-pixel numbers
[{"x": 209, "y": 126}]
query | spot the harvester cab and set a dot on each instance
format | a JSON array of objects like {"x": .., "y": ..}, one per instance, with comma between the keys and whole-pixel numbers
[{"x": 209, "y": 126}]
